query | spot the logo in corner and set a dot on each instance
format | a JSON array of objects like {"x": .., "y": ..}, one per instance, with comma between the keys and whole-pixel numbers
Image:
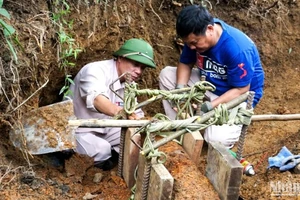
[{"x": 241, "y": 66}]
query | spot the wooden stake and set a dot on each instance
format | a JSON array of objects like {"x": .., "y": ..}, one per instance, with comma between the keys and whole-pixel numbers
[{"x": 275, "y": 117}]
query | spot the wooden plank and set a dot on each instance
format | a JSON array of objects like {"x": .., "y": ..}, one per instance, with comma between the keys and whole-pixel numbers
[
  {"x": 130, "y": 156},
  {"x": 192, "y": 144},
  {"x": 223, "y": 171},
  {"x": 161, "y": 183}
]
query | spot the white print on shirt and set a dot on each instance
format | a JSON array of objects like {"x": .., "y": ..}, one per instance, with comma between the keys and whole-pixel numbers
[{"x": 207, "y": 66}]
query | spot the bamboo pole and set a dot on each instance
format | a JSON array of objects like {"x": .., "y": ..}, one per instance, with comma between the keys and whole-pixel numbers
[
  {"x": 273, "y": 117},
  {"x": 139, "y": 123},
  {"x": 95, "y": 123}
]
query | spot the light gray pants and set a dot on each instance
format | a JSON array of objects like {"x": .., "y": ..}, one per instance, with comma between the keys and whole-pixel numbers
[
  {"x": 98, "y": 145},
  {"x": 225, "y": 134},
  {"x": 167, "y": 81}
]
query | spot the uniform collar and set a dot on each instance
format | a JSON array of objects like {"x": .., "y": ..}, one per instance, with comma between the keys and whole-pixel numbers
[{"x": 117, "y": 85}]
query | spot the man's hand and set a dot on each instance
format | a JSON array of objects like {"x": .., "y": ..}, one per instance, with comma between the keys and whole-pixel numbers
[
  {"x": 181, "y": 102},
  {"x": 206, "y": 107},
  {"x": 133, "y": 116},
  {"x": 123, "y": 115}
]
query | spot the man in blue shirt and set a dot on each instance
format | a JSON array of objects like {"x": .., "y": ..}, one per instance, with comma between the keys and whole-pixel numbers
[{"x": 223, "y": 54}]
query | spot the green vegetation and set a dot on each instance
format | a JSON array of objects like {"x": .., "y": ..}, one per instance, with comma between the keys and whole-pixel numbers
[
  {"x": 68, "y": 49},
  {"x": 66, "y": 87},
  {"x": 8, "y": 31}
]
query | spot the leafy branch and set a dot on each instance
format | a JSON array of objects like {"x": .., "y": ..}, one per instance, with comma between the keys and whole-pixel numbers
[
  {"x": 7, "y": 30},
  {"x": 68, "y": 49},
  {"x": 66, "y": 88}
]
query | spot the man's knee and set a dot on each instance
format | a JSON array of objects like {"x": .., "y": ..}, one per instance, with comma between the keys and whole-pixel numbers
[
  {"x": 93, "y": 146},
  {"x": 102, "y": 152},
  {"x": 167, "y": 78},
  {"x": 225, "y": 134}
]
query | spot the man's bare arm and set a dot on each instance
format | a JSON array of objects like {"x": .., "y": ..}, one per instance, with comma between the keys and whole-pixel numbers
[
  {"x": 183, "y": 73},
  {"x": 230, "y": 95},
  {"x": 105, "y": 106}
]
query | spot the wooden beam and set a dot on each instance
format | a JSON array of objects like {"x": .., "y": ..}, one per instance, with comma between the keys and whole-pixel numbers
[
  {"x": 130, "y": 156},
  {"x": 224, "y": 171},
  {"x": 161, "y": 183},
  {"x": 192, "y": 144}
]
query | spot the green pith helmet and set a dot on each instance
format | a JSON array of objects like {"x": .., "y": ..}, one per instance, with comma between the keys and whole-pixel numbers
[{"x": 137, "y": 50}]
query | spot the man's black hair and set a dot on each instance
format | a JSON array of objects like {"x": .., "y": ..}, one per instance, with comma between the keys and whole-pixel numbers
[{"x": 193, "y": 19}]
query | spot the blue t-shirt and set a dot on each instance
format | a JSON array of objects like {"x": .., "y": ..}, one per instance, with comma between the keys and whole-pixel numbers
[{"x": 233, "y": 62}]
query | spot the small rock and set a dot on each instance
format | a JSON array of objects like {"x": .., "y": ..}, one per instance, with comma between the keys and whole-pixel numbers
[
  {"x": 35, "y": 184},
  {"x": 27, "y": 177},
  {"x": 283, "y": 110},
  {"x": 113, "y": 173},
  {"x": 51, "y": 182},
  {"x": 89, "y": 196},
  {"x": 98, "y": 178},
  {"x": 175, "y": 3},
  {"x": 180, "y": 152},
  {"x": 64, "y": 188},
  {"x": 160, "y": 35}
]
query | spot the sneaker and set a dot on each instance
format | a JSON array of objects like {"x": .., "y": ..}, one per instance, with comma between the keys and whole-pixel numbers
[
  {"x": 67, "y": 154},
  {"x": 57, "y": 159},
  {"x": 54, "y": 160},
  {"x": 105, "y": 165},
  {"x": 114, "y": 156},
  {"x": 109, "y": 163}
]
